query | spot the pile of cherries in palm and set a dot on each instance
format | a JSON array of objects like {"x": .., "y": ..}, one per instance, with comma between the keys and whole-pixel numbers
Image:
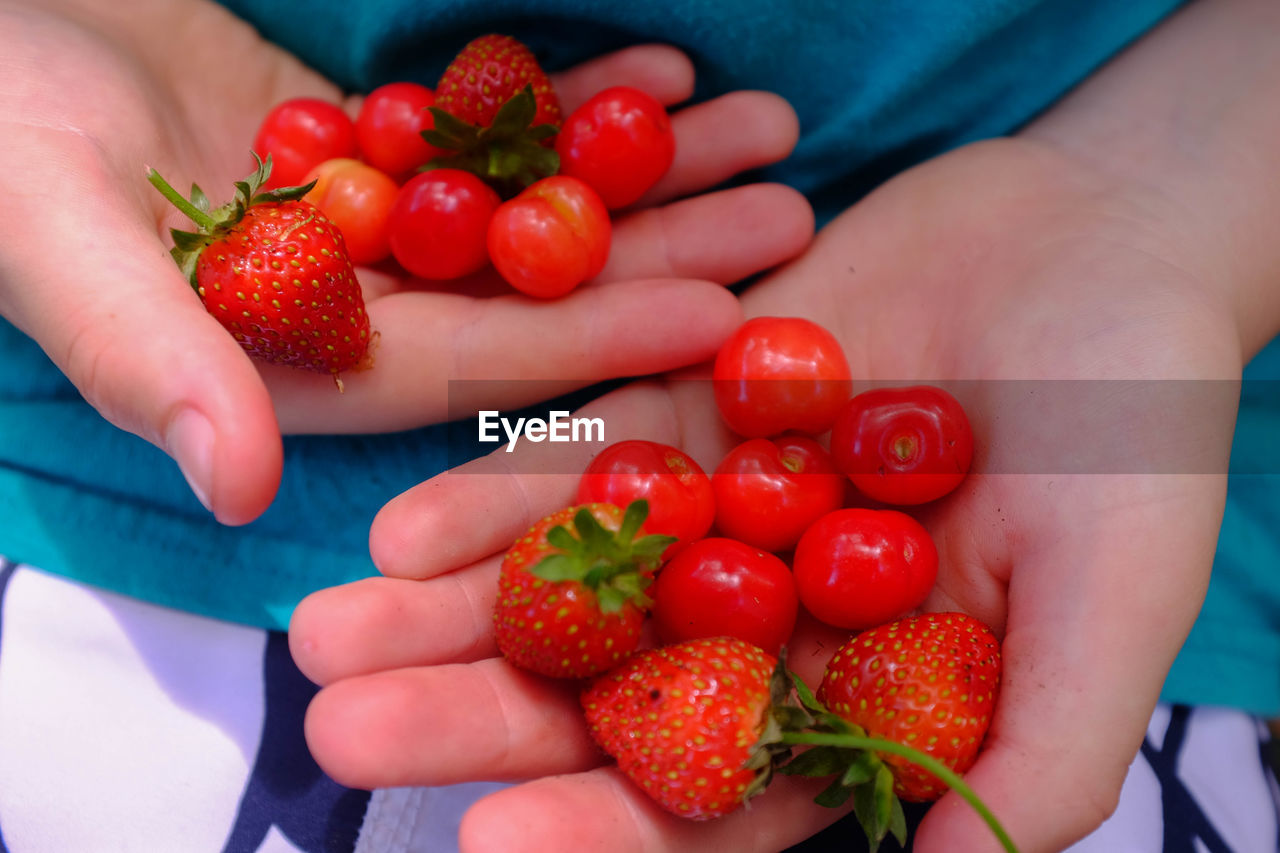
[{"x": 856, "y": 559}]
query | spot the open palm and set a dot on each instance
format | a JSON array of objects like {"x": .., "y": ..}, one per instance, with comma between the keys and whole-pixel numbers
[
  {"x": 1057, "y": 309},
  {"x": 91, "y": 93}
]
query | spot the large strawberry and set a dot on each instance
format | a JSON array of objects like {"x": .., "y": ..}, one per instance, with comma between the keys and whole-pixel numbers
[
  {"x": 928, "y": 682},
  {"x": 901, "y": 712},
  {"x": 274, "y": 271},
  {"x": 701, "y": 726},
  {"x": 684, "y": 722},
  {"x": 571, "y": 591},
  {"x": 496, "y": 115}
]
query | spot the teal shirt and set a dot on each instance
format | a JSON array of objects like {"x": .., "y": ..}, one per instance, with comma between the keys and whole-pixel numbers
[{"x": 878, "y": 87}]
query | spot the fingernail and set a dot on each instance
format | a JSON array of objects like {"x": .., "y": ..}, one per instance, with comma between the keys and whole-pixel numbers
[{"x": 190, "y": 442}]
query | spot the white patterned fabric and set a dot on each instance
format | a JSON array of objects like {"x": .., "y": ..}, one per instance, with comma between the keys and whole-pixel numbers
[{"x": 130, "y": 727}]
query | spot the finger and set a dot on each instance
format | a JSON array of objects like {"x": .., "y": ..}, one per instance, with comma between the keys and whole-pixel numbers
[
  {"x": 664, "y": 72},
  {"x": 1122, "y": 580},
  {"x": 125, "y": 327},
  {"x": 379, "y": 624},
  {"x": 387, "y": 623},
  {"x": 775, "y": 220},
  {"x": 724, "y": 137},
  {"x": 402, "y": 723},
  {"x": 429, "y": 338},
  {"x": 442, "y": 357},
  {"x": 447, "y": 724},
  {"x": 481, "y": 507},
  {"x": 721, "y": 236},
  {"x": 546, "y": 815}
]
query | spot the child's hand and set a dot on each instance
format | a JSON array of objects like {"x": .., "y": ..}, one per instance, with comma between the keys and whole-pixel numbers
[
  {"x": 1085, "y": 536},
  {"x": 90, "y": 93}
]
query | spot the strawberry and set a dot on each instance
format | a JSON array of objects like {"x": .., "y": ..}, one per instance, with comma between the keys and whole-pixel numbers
[
  {"x": 684, "y": 722},
  {"x": 487, "y": 73},
  {"x": 496, "y": 115},
  {"x": 702, "y": 725},
  {"x": 274, "y": 271},
  {"x": 901, "y": 712},
  {"x": 928, "y": 682},
  {"x": 571, "y": 591}
]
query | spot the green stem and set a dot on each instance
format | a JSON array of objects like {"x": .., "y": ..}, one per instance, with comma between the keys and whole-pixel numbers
[
  {"x": 928, "y": 762},
  {"x": 192, "y": 212}
]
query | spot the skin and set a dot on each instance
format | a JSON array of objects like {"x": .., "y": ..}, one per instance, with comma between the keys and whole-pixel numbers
[
  {"x": 1124, "y": 236},
  {"x": 91, "y": 92}
]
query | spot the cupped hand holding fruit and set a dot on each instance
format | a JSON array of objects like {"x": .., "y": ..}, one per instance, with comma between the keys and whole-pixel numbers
[
  {"x": 91, "y": 94},
  {"x": 999, "y": 262}
]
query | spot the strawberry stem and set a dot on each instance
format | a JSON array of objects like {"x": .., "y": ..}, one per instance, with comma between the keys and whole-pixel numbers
[
  {"x": 195, "y": 214},
  {"x": 928, "y": 762}
]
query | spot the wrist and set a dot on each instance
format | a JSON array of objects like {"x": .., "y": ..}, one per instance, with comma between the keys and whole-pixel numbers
[{"x": 1182, "y": 127}]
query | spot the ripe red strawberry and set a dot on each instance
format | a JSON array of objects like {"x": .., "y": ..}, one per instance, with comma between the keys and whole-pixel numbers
[
  {"x": 928, "y": 682},
  {"x": 684, "y": 721},
  {"x": 487, "y": 73},
  {"x": 274, "y": 271},
  {"x": 496, "y": 115},
  {"x": 571, "y": 591}
]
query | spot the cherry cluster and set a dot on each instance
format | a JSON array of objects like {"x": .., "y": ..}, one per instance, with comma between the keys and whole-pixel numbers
[
  {"x": 857, "y": 560},
  {"x": 394, "y": 195}
]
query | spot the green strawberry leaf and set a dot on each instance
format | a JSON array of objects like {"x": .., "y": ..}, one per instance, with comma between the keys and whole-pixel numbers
[
  {"x": 450, "y": 132},
  {"x": 509, "y": 154},
  {"x": 834, "y": 796},
  {"x": 898, "y": 823},
  {"x": 874, "y": 806},
  {"x": 782, "y": 682},
  {"x": 759, "y": 759},
  {"x": 560, "y": 537},
  {"x": 261, "y": 174},
  {"x": 283, "y": 193},
  {"x": 652, "y": 546},
  {"x": 818, "y": 761},
  {"x": 805, "y": 695},
  {"x": 611, "y": 599},
  {"x": 883, "y": 797},
  {"x": 595, "y": 538},
  {"x": 633, "y": 518},
  {"x": 616, "y": 590},
  {"x": 868, "y": 811},
  {"x": 834, "y": 723},
  {"x": 784, "y": 714},
  {"x": 632, "y": 584},
  {"x": 616, "y": 569},
  {"x": 792, "y": 719},
  {"x": 860, "y": 772},
  {"x": 558, "y": 567},
  {"x": 188, "y": 241},
  {"x": 244, "y": 192},
  {"x": 199, "y": 199},
  {"x": 862, "y": 767},
  {"x": 543, "y": 131},
  {"x": 517, "y": 113}
]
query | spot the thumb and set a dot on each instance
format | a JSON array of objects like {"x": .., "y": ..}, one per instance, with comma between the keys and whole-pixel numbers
[
  {"x": 1095, "y": 619},
  {"x": 119, "y": 319}
]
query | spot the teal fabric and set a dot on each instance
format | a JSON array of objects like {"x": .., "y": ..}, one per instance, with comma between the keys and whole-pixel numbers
[
  {"x": 84, "y": 499},
  {"x": 878, "y": 86}
]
